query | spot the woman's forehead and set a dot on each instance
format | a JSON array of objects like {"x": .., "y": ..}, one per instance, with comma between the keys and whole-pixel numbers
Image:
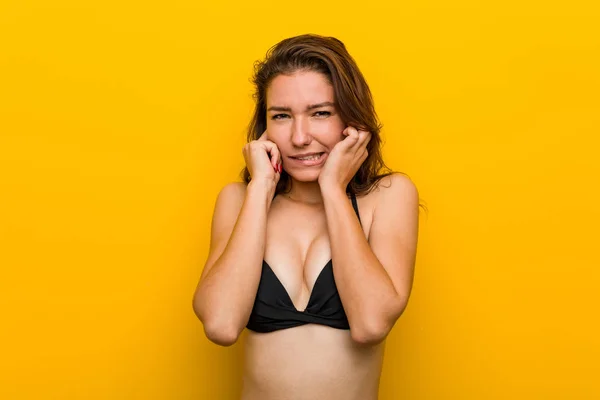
[{"x": 299, "y": 90}]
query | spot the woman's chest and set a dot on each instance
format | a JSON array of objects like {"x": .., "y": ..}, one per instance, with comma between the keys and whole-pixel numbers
[
  {"x": 297, "y": 235},
  {"x": 297, "y": 249}
]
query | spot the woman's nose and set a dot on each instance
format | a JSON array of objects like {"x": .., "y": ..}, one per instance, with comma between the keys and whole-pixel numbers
[{"x": 300, "y": 133}]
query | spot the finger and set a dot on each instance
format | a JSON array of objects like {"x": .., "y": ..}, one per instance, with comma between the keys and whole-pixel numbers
[
  {"x": 364, "y": 138},
  {"x": 352, "y": 138},
  {"x": 360, "y": 141},
  {"x": 272, "y": 150},
  {"x": 273, "y": 153},
  {"x": 364, "y": 156}
]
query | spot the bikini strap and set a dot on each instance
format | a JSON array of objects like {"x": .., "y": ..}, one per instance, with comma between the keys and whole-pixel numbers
[{"x": 355, "y": 206}]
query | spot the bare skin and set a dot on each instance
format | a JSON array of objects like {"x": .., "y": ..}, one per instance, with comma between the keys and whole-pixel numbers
[
  {"x": 297, "y": 233},
  {"x": 310, "y": 361}
]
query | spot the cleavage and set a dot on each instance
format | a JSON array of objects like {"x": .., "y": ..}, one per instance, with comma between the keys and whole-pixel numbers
[{"x": 296, "y": 272}]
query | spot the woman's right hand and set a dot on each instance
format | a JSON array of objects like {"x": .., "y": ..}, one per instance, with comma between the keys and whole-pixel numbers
[{"x": 263, "y": 160}]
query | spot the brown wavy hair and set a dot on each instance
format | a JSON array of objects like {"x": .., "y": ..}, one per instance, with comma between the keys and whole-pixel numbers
[{"x": 353, "y": 99}]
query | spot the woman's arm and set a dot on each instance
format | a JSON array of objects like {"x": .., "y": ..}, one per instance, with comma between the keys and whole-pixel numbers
[
  {"x": 225, "y": 294},
  {"x": 374, "y": 278}
]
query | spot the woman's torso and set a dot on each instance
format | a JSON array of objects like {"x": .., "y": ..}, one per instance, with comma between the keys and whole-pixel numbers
[{"x": 309, "y": 361}]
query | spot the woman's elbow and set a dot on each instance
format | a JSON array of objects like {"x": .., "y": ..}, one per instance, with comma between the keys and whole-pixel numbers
[
  {"x": 221, "y": 336},
  {"x": 368, "y": 338},
  {"x": 216, "y": 331},
  {"x": 378, "y": 328},
  {"x": 374, "y": 331},
  {"x": 220, "y": 333}
]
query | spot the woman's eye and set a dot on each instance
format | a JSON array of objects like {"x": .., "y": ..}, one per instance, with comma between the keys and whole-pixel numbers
[
  {"x": 279, "y": 116},
  {"x": 322, "y": 113}
]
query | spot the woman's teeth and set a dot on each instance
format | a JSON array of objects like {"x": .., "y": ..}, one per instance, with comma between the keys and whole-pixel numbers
[{"x": 313, "y": 157}]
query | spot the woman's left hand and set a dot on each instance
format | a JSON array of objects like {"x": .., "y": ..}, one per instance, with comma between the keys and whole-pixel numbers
[{"x": 345, "y": 159}]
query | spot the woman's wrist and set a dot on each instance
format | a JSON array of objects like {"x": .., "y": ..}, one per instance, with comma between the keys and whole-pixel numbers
[
  {"x": 261, "y": 185},
  {"x": 333, "y": 194},
  {"x": 263, "y": 189},
  {"x": 331, "y": 189}
]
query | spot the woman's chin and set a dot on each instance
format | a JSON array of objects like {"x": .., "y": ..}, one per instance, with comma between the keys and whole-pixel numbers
[{"x": 306, "y": 175}]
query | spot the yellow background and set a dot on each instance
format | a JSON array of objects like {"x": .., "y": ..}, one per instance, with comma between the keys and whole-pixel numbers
[{"x": 119, "y": 123}]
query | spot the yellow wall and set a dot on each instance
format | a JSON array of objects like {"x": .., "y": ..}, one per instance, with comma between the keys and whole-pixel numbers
[{"x": 119, "y": 123}]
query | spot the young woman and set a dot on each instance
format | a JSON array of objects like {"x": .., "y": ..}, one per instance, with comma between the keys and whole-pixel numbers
[{"x": 314, "y": 252}]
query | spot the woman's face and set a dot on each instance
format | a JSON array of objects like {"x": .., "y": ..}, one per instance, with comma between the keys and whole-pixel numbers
[{"x": 303, "y": 122}]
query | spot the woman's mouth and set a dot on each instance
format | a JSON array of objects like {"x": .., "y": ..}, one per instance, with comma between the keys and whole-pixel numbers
[{"x": 311, "y": 159}]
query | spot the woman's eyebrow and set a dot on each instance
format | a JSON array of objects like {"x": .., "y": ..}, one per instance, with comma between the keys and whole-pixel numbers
[{"x": 310, "y": 107}]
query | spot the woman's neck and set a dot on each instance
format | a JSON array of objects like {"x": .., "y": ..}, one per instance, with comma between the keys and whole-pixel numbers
[{"x": 305, "y": 192}]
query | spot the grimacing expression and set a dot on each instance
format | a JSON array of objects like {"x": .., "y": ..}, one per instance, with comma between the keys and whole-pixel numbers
[{"x": 303, "y": 122}]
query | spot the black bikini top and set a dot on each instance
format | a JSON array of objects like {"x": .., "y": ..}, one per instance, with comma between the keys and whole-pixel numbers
[{"x": 273, "y": 308}]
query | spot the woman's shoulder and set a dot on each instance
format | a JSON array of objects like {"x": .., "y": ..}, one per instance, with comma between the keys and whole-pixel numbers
[
  {"x": 395, "y": 210},
  {"x": 391, "y": 198},
  {"x": 231, "y": 196},
  {"x": 394, "y": 193},
  {"x": 396, "y": 185},
  {"x": 233, "y": 189}
]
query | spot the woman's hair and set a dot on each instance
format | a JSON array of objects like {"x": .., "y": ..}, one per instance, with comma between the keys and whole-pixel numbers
[{"x": 353, "y": 99}]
